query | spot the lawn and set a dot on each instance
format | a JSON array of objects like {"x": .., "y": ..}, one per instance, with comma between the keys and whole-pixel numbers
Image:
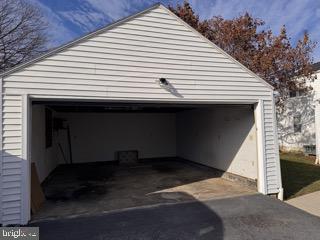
[{"x": 299, "y": 174}]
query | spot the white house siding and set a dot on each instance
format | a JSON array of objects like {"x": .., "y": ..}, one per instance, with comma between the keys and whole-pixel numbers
[
  {"x": 289, "y": 139},
  {"x": 307, "y": 107},
  {"x": 11, "y": 164},
  {"x": 273, "y": 175},
  {"x": 124, "y": 62},
  {"x": 316, "y": 87}
]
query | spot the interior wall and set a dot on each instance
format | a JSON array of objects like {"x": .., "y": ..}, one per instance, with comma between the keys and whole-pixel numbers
[
  {"x": 46, "y": 159},
  {"x": 220, "y": 137},
  {"x": 98, "y": 136}
]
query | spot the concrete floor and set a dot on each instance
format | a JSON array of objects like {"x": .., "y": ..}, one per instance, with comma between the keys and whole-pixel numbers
[
  {"x": 248, "y": 217},
  {"x": 309, "y": 203},
  {"x": 95, "y": 188}
]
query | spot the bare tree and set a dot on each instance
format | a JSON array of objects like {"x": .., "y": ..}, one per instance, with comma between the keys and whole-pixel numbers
[
  {"x": 22, "y": 35},
  {"x": 285, "y": 66}
]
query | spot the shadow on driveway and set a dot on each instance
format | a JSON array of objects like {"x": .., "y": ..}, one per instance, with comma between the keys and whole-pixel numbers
[{"x": 246, "y": 217}]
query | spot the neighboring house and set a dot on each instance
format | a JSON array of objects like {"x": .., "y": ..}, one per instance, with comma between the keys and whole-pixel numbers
[
  {"x": 215, "y": 111},
  {"x": 297, "y": 126}
]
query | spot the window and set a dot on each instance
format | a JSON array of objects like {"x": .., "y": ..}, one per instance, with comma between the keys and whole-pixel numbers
[
  {"x": 301, "y": 93},
  {"x": 297, "y": 93},
  {"x": 48, "y": 127},
  {"x": 297, "y": 123},
  {"x": 293, "y": 94},
  {"x": 310, "y": 149}
]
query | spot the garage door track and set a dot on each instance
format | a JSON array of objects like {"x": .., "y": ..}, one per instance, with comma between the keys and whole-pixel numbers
[{"x": 246, "y": 217}]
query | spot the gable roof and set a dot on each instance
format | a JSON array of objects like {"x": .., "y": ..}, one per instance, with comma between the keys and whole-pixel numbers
[
  {"x": 316, "y": 66},
  {"x": 119, "y": 22}
]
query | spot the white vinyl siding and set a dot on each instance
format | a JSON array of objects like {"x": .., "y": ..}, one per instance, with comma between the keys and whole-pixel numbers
[
  {"x": 124, "y": 62},
  {"x": 11, "y": 164},
  {"x": 271, "y": 148}
]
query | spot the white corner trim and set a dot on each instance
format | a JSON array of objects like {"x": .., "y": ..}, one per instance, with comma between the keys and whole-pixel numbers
[
  {"x": 25, "y": 162},
  {"x": 258, "y": 115},
  {"x": 317, "y": 130},
  {"x": 276, "y": 149},
  {"x": 280, "y": 194},
  {"x": 1, "y": 129}
]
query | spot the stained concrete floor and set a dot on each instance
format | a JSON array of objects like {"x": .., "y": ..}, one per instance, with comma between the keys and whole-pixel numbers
[{"x": 96, "y": 188}]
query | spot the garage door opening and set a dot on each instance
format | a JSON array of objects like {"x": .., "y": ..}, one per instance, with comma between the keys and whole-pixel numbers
[{"x": 96, "y": 157}]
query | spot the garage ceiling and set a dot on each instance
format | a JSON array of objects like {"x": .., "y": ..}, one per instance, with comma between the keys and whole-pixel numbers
[
  {"x": 114, "y": 107},
  {"x": 69, "y": 106}
]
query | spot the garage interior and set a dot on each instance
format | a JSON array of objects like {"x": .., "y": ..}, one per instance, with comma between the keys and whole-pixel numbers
[{"x": 96, "y": 157}]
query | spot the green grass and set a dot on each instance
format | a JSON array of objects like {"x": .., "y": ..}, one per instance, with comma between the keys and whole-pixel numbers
[{"x": 299, "y": 174}]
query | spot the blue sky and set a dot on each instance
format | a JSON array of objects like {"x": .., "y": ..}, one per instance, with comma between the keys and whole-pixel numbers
[{"x": 70, "y": 19}]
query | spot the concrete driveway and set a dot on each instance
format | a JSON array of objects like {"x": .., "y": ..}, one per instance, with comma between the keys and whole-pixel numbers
[
  {"x": 308, "y": 203},
  {"x": 246, "y": 217}
]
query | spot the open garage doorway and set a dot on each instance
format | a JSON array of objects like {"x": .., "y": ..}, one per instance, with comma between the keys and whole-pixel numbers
[{"x": 96, "y": 157}]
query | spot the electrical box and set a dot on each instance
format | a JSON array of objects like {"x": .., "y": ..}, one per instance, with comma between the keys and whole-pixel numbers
[{"x": 128, "y": 157}]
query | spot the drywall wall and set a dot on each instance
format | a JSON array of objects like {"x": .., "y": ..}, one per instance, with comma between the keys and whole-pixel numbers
[
  {"x": 98, "y": 136},
  {"x": 46, "y": 159},
  {"x": 220, "y": 137}
]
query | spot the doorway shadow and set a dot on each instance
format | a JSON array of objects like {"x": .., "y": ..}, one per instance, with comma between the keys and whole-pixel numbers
[{"x": 192, "y": 220}]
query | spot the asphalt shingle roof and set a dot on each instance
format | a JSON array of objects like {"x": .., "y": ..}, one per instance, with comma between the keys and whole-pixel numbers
[{"x": 316, "y": 66}]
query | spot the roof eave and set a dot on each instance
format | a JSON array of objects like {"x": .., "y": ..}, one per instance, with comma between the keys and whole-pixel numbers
[
  {"x": 106, "y": 28},
  {"x": 76, "y": 41}
]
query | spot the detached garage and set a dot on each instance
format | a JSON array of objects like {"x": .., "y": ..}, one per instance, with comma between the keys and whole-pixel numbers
[{"x": 144, "y": 111}]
